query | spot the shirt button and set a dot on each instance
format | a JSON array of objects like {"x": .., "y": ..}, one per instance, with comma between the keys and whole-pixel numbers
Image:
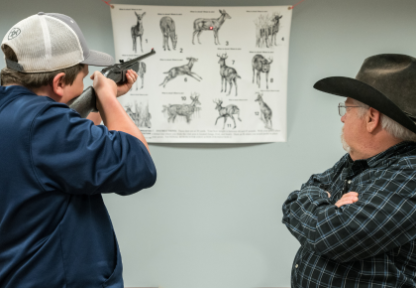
[
  {"x": 296, "y": 266},
  {"x": 349, "y": 182}
]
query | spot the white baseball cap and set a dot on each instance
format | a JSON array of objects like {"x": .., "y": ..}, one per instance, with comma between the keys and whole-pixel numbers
[{"x": 48, "y": 42}]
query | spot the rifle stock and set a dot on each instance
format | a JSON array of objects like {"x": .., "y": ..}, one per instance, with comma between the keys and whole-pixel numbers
[{"x": 86, "y": 102}]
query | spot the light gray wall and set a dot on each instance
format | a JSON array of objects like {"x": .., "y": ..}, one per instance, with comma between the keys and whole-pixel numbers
[{"x": 213, "y": 219}]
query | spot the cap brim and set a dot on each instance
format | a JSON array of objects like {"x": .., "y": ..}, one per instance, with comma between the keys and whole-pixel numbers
[
  {"x": 96, "y": 58},
  {"x": 358, "y": 90}
]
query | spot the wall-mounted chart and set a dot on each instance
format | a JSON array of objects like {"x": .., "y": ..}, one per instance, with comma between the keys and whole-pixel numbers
[{"x": 219, "y": 74}]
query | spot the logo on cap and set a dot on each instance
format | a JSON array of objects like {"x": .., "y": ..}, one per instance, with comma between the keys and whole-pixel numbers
[{"x": 14, "y": 33}]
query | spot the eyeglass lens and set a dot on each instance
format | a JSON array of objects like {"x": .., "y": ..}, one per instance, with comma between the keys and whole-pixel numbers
[{"x": 341, "y": 109}]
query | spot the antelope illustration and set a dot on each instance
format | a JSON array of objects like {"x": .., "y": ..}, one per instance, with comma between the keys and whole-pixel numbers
[
  {"x": 228, "y": 74},
  {"x": 226, "y": 112},
  {"x": 181, "y": 70},
  {"x": 137, "y": 31},
  {"x": 167, "y": 25},
  {"x": 261, "y": 65},
  {"x": 186, "y": 110},
  {"x": 213, "y": 24},
  {"x": 266, "y": 112}
]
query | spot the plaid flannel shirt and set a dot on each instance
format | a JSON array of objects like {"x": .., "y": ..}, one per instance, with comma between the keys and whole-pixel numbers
[{"x": 371, "y": 243}]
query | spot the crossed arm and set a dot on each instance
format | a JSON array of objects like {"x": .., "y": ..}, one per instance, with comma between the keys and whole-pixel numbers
[
  {"x": 354, "y": 229},
  {"x": 347, "y": 198}
]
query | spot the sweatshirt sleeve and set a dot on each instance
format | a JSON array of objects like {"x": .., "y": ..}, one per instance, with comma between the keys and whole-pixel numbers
[{"x": 72, "y": 155}]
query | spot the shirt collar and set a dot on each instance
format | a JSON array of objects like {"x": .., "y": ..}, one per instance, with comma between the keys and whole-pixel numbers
[
  {"x": 15, "y": 89},
  {"x": 401, "y": 148}
]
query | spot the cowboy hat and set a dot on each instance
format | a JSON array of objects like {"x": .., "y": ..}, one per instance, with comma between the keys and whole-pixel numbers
[{"x": 386, "y": 82}]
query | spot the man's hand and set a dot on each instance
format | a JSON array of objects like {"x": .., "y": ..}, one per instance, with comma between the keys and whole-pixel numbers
[
  {"x": 347, "y": 198},
  {"x": 131, "y": 76}
]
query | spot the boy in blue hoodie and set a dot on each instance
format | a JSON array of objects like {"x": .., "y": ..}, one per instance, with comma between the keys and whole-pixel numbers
[{"x": 55, "y": 230}]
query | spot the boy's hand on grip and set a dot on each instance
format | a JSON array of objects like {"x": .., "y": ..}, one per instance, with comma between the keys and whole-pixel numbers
[{"x": 131, "y": 77}]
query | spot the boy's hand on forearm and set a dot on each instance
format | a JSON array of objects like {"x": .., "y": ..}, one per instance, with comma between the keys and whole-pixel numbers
[{"x": 131, "y": 76}]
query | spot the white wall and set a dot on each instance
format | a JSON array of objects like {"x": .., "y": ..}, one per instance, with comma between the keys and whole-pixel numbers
[{"x": 213, "y": 220}]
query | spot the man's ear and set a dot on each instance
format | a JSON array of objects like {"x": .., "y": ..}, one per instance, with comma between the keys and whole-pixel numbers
[
  {"x": 58, "y": 84},
  {"x": 373, "y": 118}
]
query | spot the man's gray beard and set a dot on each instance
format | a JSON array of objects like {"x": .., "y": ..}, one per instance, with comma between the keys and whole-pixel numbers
[{"x": 344, "y": 143}]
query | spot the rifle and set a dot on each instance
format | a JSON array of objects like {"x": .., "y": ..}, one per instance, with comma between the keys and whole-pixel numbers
[{"x": 86, "y": 102}]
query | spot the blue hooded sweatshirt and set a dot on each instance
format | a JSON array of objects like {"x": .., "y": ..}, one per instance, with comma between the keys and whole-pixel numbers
[{"x": 55, "y": 230}]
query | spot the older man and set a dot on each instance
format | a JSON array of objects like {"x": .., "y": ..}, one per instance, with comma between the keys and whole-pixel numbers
[{"x": 356, "y": 222}]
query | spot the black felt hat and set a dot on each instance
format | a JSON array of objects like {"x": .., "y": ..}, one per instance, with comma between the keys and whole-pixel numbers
[{"x": 386, "y": 82}]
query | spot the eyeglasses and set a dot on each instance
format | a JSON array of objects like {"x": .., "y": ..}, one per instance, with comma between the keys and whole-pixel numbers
[{"x": 342, "y": 108}]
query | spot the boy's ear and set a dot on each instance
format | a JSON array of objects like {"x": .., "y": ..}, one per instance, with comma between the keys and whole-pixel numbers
[{"x": 58, "y": 84}]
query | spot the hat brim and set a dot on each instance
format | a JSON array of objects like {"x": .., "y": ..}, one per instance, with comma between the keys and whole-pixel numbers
[
  {"x": 96, "y": 58},
  {"x": 358, "y": 90}
]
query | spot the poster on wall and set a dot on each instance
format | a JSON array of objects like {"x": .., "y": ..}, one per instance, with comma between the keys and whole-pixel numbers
[{"x": 219, "y": 74}]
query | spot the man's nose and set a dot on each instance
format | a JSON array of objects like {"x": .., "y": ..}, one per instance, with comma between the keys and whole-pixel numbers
[{"x": 343, "y": 118}]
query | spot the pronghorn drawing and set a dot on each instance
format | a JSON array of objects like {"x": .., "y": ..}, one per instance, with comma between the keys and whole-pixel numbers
[
  {"x": 213, "y": 24},
  {"x": 226, "y": 112},
  {"x": 228, "y": 74},
  {"x": 167, "y": 25},
  {"x": 261, "y": 65},
  {"x": 181, "y": 70},
  {"x": 186, "y": 110},
  {"x": 266, "y": 112},
  {"x": 137, "y": 31}
]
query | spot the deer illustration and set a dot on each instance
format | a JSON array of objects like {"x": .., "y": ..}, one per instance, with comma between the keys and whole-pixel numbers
[
  {"x": 213, "y": 24},
  {"x": 145, "y": 116},
  {"x": 140, "y": 69},
  {"x": 140, "y": 72},
  {"x": 186, "y": 110},
  {"x": 275, "y": 29},
  {"x": 261, "y": 65},
  {"x": 226, "y": 112},
  {"x": 266, "y": 112},
  {"x": 167, "y": 25},
  {"x": 181, "y": 70},
  {"x": 228, "y": 74},
  {"x": 141, "y": 117},
  {"x": 264, "y": 37},
  {"x": 266, "y": 30},
  {"x": 132, "y": 114},
  {"x": 137, "y": 31}
]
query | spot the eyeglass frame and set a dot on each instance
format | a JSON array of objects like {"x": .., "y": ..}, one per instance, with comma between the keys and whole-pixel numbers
[{"x": 342, "y": 105}]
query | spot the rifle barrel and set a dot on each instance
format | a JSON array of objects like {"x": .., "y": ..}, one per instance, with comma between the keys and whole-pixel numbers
[{"x": 129, "y": 62}]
